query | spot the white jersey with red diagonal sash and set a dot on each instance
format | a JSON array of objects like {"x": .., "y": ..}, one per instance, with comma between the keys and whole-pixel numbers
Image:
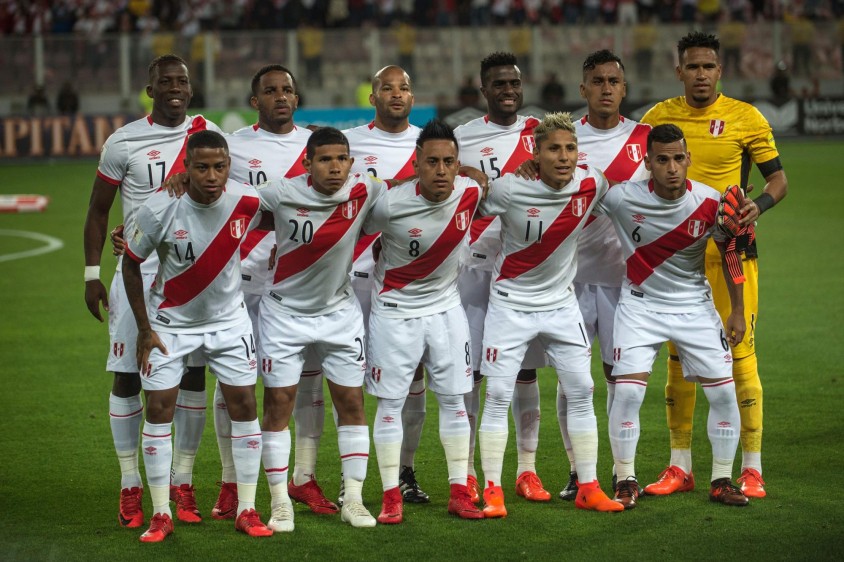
[
  {"x": 316, "y": 236},
  {"x": 257, "y": 156},
  {"x": 540, "y": 226},
  {"x": 619, "y": 153},
  {"x": 663, "y": 243},
  {"x": 495, "y": 150},
  {"x": 383, "y": 155},
  {"x": 197, "y": 289},
  {"x": 139, "y": 156},
  {"x": 416, "y": 274}
]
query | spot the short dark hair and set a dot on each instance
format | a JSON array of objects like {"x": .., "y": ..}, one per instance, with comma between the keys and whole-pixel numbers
[
  {"x": 435, "y": 129},
  {"x": 207, "y": 139},
  {"x": 323, "y": 137},
  {"x": 164, "y": 59},
  {"x": 271, "y": 68},
  {"x": 665, "y": 134},
  {"x": 697, "y": 39},
  {"x": 600, "y": 57},
  {"x": 492, "y": 60}
]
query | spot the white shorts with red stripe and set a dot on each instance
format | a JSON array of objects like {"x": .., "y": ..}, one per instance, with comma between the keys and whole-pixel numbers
[
  {"x": 229, "y": 353},
  {"x": 473, "y": 285},
  {"x": 699, "y": 336},
  {"x": 597, "y": 305},
  {"x": 336, "y": 340},
  {"x": 508, "y": 332},
  {"x": 439, "y": 341}
]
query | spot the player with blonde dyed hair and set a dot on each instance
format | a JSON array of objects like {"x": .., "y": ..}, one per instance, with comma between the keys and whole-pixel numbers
[{"x": 560, "y": 121}]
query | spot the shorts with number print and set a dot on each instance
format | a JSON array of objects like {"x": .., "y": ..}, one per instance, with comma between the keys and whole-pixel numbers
[
  {"x": 336, "y": 340},
  {"x": 698, "y": 336},
  {"x": 229, "y": 353},
  {"x": 508, "y": 332},
  {"x": 439, "y": 341},
  {"x": 597, "y": 305}
]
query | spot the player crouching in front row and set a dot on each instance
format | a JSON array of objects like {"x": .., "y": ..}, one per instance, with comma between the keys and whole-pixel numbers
[
  {"x": 663, "y": 225},
  {"x": 196, "y": 304}
]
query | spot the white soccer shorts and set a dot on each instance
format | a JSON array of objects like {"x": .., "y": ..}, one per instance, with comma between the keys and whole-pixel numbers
[
  {"x": 508, "y": 332},
  {"x": 336, "y": 340},
  {"x": 439, "y": 341},
  {"x": 699, "y": 337},
  {"x": 122, "y": 329},
  {"x": 473, "y": 285},
  {"x": 597, "y": 305},
  {"x": 229, "y": 353}
]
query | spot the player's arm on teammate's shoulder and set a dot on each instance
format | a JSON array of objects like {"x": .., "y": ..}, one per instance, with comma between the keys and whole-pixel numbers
[
  {"x": 147, "y": 338},
  {"x": 527, "y": 170},
  {"x": 177, "y": 184},
  {"x": 96, "y": 222},
  {"x": 735, "y": 325},
  {"x": 478, "y": 176},
  {"x": 775, "y": 190}
]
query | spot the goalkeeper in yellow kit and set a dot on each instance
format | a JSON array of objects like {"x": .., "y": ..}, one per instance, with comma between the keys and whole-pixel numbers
[{"x": 724, "y": 136}]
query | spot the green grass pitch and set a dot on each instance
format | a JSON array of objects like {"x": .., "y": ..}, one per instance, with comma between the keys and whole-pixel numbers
[{"x": 59, "y": 477}]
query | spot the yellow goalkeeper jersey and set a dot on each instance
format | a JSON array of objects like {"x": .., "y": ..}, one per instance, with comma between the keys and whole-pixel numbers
[{"x": 723, "y": 139}]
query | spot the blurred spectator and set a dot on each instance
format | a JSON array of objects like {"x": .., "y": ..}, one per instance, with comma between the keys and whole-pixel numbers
[
  {"x": 688, "y": 11},
  {"x": 67, "y": 102},
  {"x": 802, "y": 31},
  {"x": 571, "y": 11},
  {"x": 311, "y": 42},
  {"x": 609, "y": 11},
  {"x": 732, "y": 33},
  {"x": 645, "y": 36},
  {"x": 500, "y": 11},
  {"x": 64, "y": 16},
  {"x": 666, "y": 10},
  {"x": 591, "y": 11},
  {"x": 553, "y": 94},
  {"x": 709, "y": 10},
  {"x": 37, "y": 103},
  {"x": 628, "y": 13},
  {"x": 363, "y": 91},
  {"x": 646, "y": 9},
  {"x": 521, "y": 45},
  {"x": 479, "y": 12},
  {"x": 468, "y": 94},
  {"x": 406, "y": 43}
]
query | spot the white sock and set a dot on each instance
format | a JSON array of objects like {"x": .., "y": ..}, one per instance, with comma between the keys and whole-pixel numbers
[
  {"x": 157, "y": 444},
  {"x": 309, "y": 416},
  {"x": 412, "y": 419},
  {"x": 624, "y": 425},
  {"x": 751, "y": 460},
  {"x": 125, "y": 415},
  {"x": 682, "y": 458},
  {"x": 472, "y": 401},
  {"x": 723, "y": 426},
  {"x": 493, "y": 432},
  {"x": 276, "y": 457},
  {"x": 353, "y": 442},
  {"x": 247, "y": 443},
  {"x": 582, "y": 425},
  {"x": 525, "y": 406},
  {"x": 223, "y": 429},
  {"x": 189, "y": 420},
  {"x": 562, "y": 420},
  {"x": 387, "y": 435},
  {"x": 454, "y": 436}
]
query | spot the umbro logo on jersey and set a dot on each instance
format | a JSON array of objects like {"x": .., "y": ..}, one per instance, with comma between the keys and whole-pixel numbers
[
  {"x": 462, "y": 220},
  {"x": 578, "y": 206},
  {"x": 254, "y": 163},
  {"x": 370, "y": 160},
  {"x": 150, "y": 450},
  {"x": 529, "y": 143},
  {"x": 716, "y": 127},
  {"x": 634, "y": 152},
  {"x": 181, "y": 234},
  {"x": 153, "y": 154},
  {"x": 581, "y": 156},
  {"x": 487, "y": 150},
  {"x": 639, "y": 219},
  {"x": 118, "y": 348},
  {"x": 253, "y": 363},
  {"x": 302, "y": 212},
  {"x": 415, "y": 232},
  {"x": 253, "y": 444},
  {"x": 533, "y": 212},
  {"x": 237, "y": 228},
  {"x": 696, "y": 228}
]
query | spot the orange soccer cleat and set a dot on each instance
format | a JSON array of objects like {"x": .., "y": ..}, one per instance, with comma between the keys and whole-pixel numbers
[
  {"x": 226, "y": 506},
  {"x": 494, "y": 500},
  {"x": 529, "y": 486},
  {"x": 185, "y": 499},
  {"x": 160, "y": 526},
  {"x": 131, "y": 514},
  {"x": 672, "y": 479},
  {"x": 249, "y": 522},
  {"x": 392, "y": 507},
  {"x": 311, "y": 494},
  {"x": 460, "y": 503},
  {"x": 752, "y": 484},
  {"x": 592, "y": 498}
]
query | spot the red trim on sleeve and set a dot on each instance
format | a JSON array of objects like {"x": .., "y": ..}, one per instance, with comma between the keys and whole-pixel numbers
[
  {"x": 132, "y": 255},
  {"x": 108, "y": 180}
]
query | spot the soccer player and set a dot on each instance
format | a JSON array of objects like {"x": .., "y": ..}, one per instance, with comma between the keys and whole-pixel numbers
[
  {"x": 663, "y": 225},
  {"x": 136, "y": 159},
  {"x": 723, "y": 135},
  {"x": 616, "y": 145},
  {"x": 196, "y": 305},
  {"x": 386, "y": 148},
  {"x": 310, "y": 306},
  {"x": 496, "y": 144},
  {"x": 416, "y": 313},
  {"x": 531, "y": 297}
]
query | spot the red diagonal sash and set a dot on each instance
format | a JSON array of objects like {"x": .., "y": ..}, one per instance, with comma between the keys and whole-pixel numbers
[
  {"x": 439, "y": 251},
  {"x": 325, "y": 238},
  {"x": 187, "y": 285},
  {"x": 623, "y": 167},
  {"x": 646, "y": 258},
  {"x": 526, "y": 259},
  {"x": 297, "y": 169},
  {"x": 521, "y": 152},
  {"x": 252, "y": 240},
  {"x": 198, "y": 124}
]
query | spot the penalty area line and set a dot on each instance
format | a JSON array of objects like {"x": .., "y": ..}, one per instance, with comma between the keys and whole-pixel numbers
[{"x": 51, "y": 244}]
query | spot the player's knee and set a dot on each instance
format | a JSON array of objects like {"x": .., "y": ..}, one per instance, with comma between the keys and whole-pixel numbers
[
  {"x": 242, "y": 406},
  {"x": 160, "y": 406},
  {"x": 193, "y": 379},
  {"x": 278, "y": 406},
  {"x": 526, "y": 375},
  {"x": 126, "y": 385}
]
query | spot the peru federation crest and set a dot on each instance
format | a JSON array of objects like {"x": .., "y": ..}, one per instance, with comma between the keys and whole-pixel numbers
[
  {"x": 237, "y": 228},
  {"x": 578, "y": 206},
  {"x": 349, "y": 209},
  {"x": 462, "y": 219},
  {"x": 716, "y": 127},
  {"x": 696, "y": 228},
  {"x": 634, "y": 152},
  {"x": 529, "y": 143}
]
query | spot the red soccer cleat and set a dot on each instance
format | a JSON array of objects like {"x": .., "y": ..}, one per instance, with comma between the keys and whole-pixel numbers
[
  {"x": 392, "y": 507},
  {"x": 186, "y": 510},
  {"x": 672, "y": 479},
  {"x": 249, "y": 522},
  {"x": 460, "y": 503},
  {"x": 160, "y": 526},
  {"x": 529, "y": 486},
  {"x": 131, "y": 514},
  {"x": 226, "y": 506},
  {"x": 311, "y": 495},
  {"x": 752, "y": 484},
  {"x": 494, "y": 500},
  {"x": 592, "y": 498}
]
